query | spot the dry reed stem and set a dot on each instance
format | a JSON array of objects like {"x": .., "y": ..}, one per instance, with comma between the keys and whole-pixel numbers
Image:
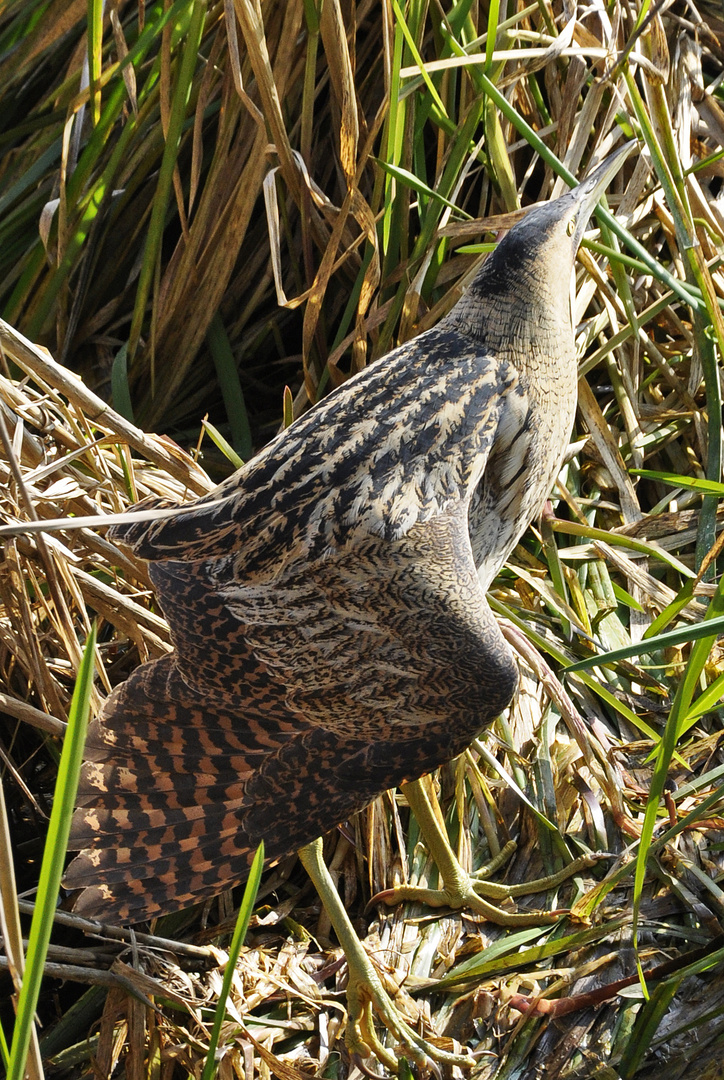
[{"x": 575, "y": 751}]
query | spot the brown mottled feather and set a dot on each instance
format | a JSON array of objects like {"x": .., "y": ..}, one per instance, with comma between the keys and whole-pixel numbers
[
  {"x": 273, "y": 738},
  {"x": 331, "y": 633}
]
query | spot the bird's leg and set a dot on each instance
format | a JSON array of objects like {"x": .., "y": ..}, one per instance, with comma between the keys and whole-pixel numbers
[
  {"x": 461, "y": 890},
  {"x": 365, "y": 992}
]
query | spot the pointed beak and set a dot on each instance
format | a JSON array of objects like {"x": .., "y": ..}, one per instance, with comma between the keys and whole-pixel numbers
[{"x": 588, "y": 193}]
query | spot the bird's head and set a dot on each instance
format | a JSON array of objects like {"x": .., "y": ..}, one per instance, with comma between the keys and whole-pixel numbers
[{"x": 531, "y": 266}]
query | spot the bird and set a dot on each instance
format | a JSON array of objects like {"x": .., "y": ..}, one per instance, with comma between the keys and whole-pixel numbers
[{"x": 327, "y": 604}]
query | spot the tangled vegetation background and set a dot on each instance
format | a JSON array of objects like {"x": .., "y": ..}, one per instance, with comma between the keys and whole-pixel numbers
[{"x": 212, "y": 213}]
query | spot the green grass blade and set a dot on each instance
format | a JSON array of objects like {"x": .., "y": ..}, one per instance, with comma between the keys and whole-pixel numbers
[
  {"x": 181, "y": 95},
  {"x": 706, "y": 334},
  {"x": 675, "y": 726},
  {"x": 53, "y": 860},
  {"x": 708, "y": 324},
  {"x": 230, "y": 384},
  {"x": 680, "y": 601},
  {"x": 573, "y": 528},
  {"x": 119, "y": 384},
  {"x": 4, "y": 1048},
  {"x": 510, "y": 952},
  {"x": 93, "y": 149},
  {"x": 625, "y": 598},
  {"x": 595, "y": 685},
  {"x": 706, "y": 701},
  {"x": 652, "y": 644},
  {"x": 225, "y": 447},
  {"x": 242, "y": 924},
  {"x": 418, "y": 59},
  {"x": 30, "y": 178},
  {"x": 691, "y": 483},
  {"x": 493, "y": 15},
  {"x": 95, "y": 55},
  {"x": 287, "y": 408},
  {"x": 647, "y": 1022},
  {"x": 395, "y": 131},
  {"x": 678, "y": 287},
  {"x": 414, "y": 182}
]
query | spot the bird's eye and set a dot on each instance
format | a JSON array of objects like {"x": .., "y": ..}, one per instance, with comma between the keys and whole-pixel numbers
[{"x": 571, "y": 227}]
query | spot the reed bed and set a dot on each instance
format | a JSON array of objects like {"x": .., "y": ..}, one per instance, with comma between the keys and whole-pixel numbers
[{"x": 221, "y": 210}]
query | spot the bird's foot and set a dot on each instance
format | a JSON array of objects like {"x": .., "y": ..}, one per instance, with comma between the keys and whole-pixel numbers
[
  {"x": 367, "y": 1001},
  {"x": 462, "y": 891},
  {"x": 473, "y": 892},
  {"x": 367, "y": 998}
]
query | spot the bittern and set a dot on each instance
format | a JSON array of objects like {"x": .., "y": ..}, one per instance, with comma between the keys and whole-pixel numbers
[{"x": 327, "y": 606}]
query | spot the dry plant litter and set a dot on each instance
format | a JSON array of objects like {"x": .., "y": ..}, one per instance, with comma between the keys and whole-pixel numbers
[{"x": 277, "y": 194}]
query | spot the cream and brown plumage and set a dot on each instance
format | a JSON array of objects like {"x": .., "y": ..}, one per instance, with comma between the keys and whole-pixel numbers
[{"x": 327, "y": 603}]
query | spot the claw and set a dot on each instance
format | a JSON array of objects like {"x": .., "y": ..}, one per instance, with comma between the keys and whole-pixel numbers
[
  {"x": 463, "y": 891},
  {"x": 366, "y": 996}
]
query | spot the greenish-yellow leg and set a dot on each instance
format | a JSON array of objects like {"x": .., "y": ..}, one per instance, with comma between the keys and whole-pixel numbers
[
  {"x": 461, "y": 890},
  {"x": 365, "y": 992}
]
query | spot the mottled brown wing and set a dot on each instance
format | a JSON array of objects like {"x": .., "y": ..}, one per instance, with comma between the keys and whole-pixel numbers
[
  {"x": 283, "y": 710},
  {"x": 393, "y": 447}
]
